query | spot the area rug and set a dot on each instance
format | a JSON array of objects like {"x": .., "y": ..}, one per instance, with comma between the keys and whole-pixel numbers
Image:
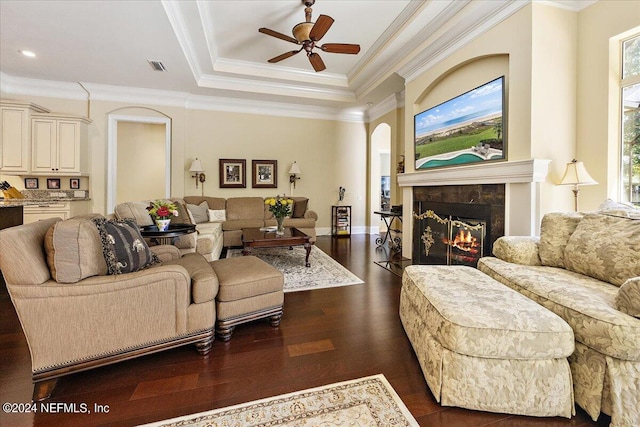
[
  {"x": 369, "y": 401},
  {"x": 325, "y": 272}
]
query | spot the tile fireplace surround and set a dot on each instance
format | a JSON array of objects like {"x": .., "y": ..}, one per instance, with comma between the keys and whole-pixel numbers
[{"x": 521, "y": 179}]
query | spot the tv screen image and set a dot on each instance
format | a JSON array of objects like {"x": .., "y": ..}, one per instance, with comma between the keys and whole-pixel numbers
[{"x": 466, "y": 129}]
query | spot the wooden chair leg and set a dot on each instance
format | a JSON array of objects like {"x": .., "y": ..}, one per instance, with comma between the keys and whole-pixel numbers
[{"x": 42, "y": 389}]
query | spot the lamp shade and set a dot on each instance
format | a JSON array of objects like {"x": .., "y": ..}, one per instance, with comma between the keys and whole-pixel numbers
[
  {"x": 195, "y": 166},
  {"x": 576, "y": 174},
  {"x": 295, "y": 169}
]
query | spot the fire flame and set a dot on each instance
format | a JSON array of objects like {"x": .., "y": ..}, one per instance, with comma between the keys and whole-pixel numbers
[{"x": 464, "y": 241}]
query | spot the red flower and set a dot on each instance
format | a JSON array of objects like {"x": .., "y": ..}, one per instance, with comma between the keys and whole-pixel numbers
[{"x": 163, "y": 212}]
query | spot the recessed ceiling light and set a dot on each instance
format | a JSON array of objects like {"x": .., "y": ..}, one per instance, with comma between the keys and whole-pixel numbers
[{"x": 28, "y": 53}]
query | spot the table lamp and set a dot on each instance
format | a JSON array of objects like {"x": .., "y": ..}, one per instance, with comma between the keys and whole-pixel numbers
[{"x": 576, "y": 174}]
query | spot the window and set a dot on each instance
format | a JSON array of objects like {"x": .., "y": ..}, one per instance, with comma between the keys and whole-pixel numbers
[{"x": 630, "y": 85}]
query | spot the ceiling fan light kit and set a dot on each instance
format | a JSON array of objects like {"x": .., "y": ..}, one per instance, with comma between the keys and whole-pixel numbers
[{"x": 307, "y": 34}]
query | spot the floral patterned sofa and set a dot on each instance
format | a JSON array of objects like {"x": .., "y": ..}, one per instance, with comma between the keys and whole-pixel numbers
[{"x": 586, "y": 269}]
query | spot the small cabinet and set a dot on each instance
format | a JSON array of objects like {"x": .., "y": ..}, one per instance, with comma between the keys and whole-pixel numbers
[
  {"x": 59, "y": 145},
  {"x": 341, "y": 220},
  {"x": 15, "y": 134},
  {"x": 61, "y": 209}
]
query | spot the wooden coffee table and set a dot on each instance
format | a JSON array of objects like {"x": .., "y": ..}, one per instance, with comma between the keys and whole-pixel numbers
[{"x": 255, "y": 238}]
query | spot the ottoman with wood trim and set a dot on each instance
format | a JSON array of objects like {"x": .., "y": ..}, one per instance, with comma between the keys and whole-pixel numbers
[
  {"x": 250, "y": 289},
  {"x": 484, "y": 346}
]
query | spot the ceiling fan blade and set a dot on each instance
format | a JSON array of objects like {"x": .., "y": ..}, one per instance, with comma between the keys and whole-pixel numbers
[
  {"x": 340, "y": 48},
  {"x": 316, "y": 62},
  {"x": 320, "y": 28},
  {"x": 278, "y": 35},
  {"x": 283, "y": 56}
]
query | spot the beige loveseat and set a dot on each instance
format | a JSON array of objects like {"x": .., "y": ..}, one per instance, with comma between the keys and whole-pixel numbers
[
  {"x": 249, "y": 212},
  {"x": 586, "y": 269},
  {"x": 75, "y": 316},
  {"x": 207, "y": 240}
]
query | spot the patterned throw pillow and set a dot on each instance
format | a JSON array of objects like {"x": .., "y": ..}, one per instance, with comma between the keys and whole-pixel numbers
[
  {"x": 217, "y": 215},
  {"x": 555, "y": 230},
  {"x": 628, "y": 297},
  {"x": 605, "y": 247},
  {"x": 123, "y": 247}
]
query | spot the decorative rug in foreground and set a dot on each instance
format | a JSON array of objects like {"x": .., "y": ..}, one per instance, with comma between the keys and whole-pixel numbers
[
  {"x": 369, "y": 401},
  {"x": 325, "y": 272}
]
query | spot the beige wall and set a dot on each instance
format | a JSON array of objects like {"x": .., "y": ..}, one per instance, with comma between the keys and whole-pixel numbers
[
  {"x": 597, "y": 129},
  {"x": 330, "y": 153},
  {"x": 141, "y": 161}
]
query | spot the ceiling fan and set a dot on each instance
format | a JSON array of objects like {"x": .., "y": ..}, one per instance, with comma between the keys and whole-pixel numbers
[{"x": 308, "y": 34}]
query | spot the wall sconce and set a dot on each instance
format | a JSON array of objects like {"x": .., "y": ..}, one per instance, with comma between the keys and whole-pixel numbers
[
  {"x": 576, "y": 174},
  {"x": 293, "y": 172},
  {"x": 199, "y": 175}
]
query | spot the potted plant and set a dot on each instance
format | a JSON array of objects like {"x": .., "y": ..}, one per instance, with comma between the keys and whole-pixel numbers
[
  {"x": 280, "y": 207},
  {"x": 162, "y": 211}
]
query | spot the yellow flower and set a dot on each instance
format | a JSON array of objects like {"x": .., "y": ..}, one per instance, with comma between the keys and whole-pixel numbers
[{"x": 272, "y": 202}]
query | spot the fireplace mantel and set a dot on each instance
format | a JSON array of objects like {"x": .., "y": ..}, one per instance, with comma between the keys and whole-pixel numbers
[{"x": 520, "y": 171}]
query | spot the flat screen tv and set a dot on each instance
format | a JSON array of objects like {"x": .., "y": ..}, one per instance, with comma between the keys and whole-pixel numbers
[{"x": 466, "y": 129}]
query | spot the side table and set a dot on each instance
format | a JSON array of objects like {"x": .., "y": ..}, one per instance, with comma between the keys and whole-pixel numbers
[{"x": 166, "y": 237}]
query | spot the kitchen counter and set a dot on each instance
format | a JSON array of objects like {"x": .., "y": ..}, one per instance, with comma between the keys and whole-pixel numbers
[{"x": 36, "y": 202}]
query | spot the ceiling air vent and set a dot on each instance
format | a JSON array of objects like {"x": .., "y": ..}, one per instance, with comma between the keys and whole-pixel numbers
[{"x": 156, "y": 65}]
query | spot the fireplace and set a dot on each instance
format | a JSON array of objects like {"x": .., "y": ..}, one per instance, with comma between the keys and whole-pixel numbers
[{"x": 450, "y": 233}]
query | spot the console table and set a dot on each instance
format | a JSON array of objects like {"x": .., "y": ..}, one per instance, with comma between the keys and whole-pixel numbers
[{"x": 388, "y": 217}]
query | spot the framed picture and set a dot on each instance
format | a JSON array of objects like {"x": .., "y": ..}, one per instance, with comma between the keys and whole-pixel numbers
[
  {"x": 264, "y": 173},
  {"x": 53, "y": 183},
  {"x": 233, "y": 173},
  {"x": 31, "y": 183},
  {"x": 74, "y": 183}
]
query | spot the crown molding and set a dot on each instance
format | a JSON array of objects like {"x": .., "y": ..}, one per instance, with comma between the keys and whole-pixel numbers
[
  {"x": 572, "y": 5},
  {"x": 241, "y": 68},
  {"x": 275, "y": 88},
  {"x": 36, "y": 87},
  {"x": 270, "y": 108},
  {"x": 430, "y": 27},
  {"x": 176, "y": 20},
  {"x": 139, "y": 96},
  {"x": 279, "y": 72},
  {"x": 462, "y": 34},
  {"x": 390, "y": 103}
]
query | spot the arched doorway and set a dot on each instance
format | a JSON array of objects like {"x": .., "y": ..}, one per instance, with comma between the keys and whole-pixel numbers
[
  {"x": 147, "y": 163},
  {"x": 380, "y": 175}
]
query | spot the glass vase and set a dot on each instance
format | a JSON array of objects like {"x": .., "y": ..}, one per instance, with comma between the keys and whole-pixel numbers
[{"x": 280, "y": 229}]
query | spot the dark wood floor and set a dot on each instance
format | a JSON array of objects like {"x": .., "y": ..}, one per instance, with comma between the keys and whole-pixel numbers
[{"x": 325, "y": 336}]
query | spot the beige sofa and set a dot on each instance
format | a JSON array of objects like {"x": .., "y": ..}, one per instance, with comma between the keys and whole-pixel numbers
[
  {"x": 207, "y": 240},
  {"x": 75, "y": 316},
  {"x": 586, "y": 269},
  {"x": 248, "y": 212}
]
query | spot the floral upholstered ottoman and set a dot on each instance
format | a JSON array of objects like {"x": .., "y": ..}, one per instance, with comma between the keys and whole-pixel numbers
[{"x": 484, "y": 346}]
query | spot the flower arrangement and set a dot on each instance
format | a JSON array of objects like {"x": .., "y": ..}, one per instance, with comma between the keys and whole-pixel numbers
[
  {"x": 162, "y": 209},
  {"x": 280, "y": 207}
]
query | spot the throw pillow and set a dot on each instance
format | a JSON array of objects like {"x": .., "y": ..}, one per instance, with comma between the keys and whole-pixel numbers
[
  {"x": 628, "y": 297},
  {"x": 74, "y": 250},
  {"x": 183, "y": 216},
  {"x": 299, "y": 207},
  {"x": 123, "y": 247},
  {"x": 555, "y": 230},
  {"x": 199, "y": 212},
  {"x": 217, "y": 215},
  {"x": 605, "y": 247}
]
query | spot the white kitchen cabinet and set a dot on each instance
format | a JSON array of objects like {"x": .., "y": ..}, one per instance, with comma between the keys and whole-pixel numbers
[
  {"x": 57, "y": 209},
  {"x": 59, "y": 145},
  {"x": 15, "y": 134}
]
